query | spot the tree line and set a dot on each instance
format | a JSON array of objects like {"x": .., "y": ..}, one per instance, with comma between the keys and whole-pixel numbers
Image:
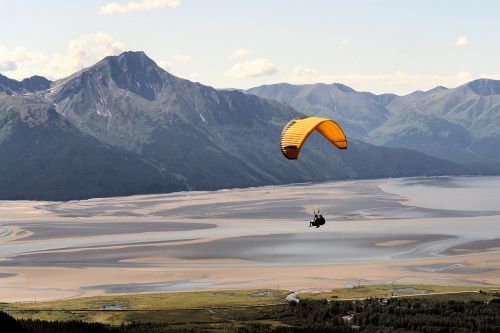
[{"x": 312, "y": 316}]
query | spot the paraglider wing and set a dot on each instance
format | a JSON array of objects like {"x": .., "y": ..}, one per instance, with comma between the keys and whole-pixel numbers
[{"x": 296, "y": 132}]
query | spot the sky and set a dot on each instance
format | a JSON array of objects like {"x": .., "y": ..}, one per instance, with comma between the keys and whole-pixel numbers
[{"x": 381, "y": 46}]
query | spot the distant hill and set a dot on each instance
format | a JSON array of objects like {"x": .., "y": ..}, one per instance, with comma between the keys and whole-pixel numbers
[
  {"x": 358, "y": 112},
  {"x": 31, "y": 84},
  {"x": 460, "y": 124},
  {"x": 125, "y": 126}
]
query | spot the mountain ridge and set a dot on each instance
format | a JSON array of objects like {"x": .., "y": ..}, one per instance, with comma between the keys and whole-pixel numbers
[
  {"x": 30, "y": 84},
  {"x": 44, "y": 157},
  {"x": 188, "y": 136},
  {"x": 471, "y": 109}
]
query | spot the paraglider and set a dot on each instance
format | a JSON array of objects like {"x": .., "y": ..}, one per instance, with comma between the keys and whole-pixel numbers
[
  {"x": 296, "y": 132},
  {"x": 318, "y": 220}
]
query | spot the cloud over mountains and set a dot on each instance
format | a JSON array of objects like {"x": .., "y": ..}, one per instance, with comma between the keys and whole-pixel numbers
[
  {"x": 81, "y": 52},
  {"x": 143, "y": 5},
  {"x": 251, "y": 68}
]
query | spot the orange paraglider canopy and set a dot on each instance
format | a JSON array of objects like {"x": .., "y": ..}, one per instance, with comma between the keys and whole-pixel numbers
[{"x": 296, "y": 132}]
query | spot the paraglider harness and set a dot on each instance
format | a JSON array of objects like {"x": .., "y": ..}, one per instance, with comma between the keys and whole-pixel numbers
[{"x": 318, "y": 220}]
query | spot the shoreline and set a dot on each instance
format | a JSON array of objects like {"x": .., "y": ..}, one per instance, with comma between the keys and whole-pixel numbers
[
  {"x": 247, "y": 239},
  {"x": 84, "y": 282}
]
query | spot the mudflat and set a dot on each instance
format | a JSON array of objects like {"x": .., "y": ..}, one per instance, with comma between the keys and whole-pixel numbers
[{"x": 378, "y": 231}]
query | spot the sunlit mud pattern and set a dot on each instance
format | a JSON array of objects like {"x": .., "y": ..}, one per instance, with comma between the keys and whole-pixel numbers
[{"x": 443, "y": 230}]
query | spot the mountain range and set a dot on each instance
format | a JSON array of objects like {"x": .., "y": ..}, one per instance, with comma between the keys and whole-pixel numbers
[
  {"x": 126, "y": 126},
  {"x": 27, "y": 85},
  {"x": 460, "y": 124}
]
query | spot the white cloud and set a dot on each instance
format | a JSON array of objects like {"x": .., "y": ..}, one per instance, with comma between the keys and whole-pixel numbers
[
  {"x": 462, "y": 41},
  {"x": 493, "y": 76},
  {"x": 16, "y": 63},
  {"x": 395, "y": 82},
  {"x": 253, "y": 68},
  {"x": 81, "y": 52},
  {"x": 240, "y": 53},
  {"x": 182, "y": 58},
  {"x": 169, "y": 67},
  {"x": 344, "y": 42},
  {"x": 143, "y": 5},
  {"x": 166, "y": 65},
  {"x": 21, "y": 54},
  {"x": 301, "y": 71},
  {"x": 7, "y": 65}
]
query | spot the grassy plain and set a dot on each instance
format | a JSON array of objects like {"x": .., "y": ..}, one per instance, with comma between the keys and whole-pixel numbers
[
  {"x": 386, "y": 290},
  {"x": 217, "y": 308}
]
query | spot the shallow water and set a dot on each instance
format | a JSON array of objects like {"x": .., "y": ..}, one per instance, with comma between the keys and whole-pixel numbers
[
  {"x": 412, "y": 290},
  {"x": 71, "y": 229},
  {"x": 424, "y": 217},
  {"x": 152, "y": 287},
  {"x": 478, "y": 194}
]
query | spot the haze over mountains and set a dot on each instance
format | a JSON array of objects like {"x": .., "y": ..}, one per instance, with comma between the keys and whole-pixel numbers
[
  {"x": 460, "y": 124},
  {"x": 125, "y": 126}
]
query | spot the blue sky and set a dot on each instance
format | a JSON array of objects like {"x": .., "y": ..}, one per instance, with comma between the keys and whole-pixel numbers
[{"x": 373, "y": 45}]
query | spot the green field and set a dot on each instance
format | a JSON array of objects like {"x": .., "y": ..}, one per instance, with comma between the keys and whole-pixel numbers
[
  {"x": 174, "y": 308},
  {"x": 216, "y": 308},
  {"x": 161, "y": 301},
  {"x": 386, "y": 290}
]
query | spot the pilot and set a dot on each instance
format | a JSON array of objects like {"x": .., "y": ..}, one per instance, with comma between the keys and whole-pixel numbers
[{"x": 318, "y": 221}]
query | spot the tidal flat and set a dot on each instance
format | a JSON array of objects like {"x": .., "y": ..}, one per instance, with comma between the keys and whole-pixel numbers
[{"x": 377, "y": 231}]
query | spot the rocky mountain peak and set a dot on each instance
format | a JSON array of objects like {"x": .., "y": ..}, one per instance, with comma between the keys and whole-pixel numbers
[
  {"x": 131, "y": 70},
  {"x": 34, "y": 83},
  {"x": 136, "y": 72},
  {"x": 131, "y": 62},
  {"x": 343, "y": 88},
  {"x": 484, "y": 87},
  {"x": 7, "y": 85}
]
